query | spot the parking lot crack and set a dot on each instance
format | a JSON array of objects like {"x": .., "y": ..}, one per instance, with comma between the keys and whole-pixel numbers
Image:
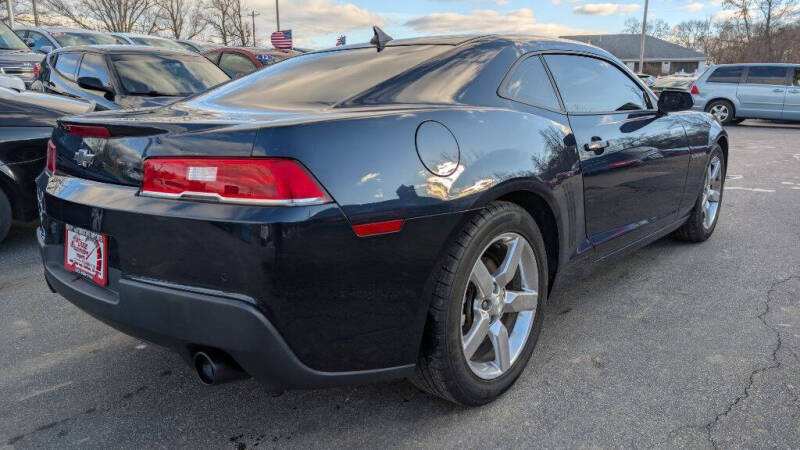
[{"x": 774, "y": 364}]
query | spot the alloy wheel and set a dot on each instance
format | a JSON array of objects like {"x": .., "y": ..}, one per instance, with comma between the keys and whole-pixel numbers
[
  {"x": 499, "y": 306},
  {"x": 712, "y": 192},
  {"x": 721, "y": 112}
]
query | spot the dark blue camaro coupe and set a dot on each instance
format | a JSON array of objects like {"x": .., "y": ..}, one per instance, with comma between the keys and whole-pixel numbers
[{"x": 395, "y": 209}]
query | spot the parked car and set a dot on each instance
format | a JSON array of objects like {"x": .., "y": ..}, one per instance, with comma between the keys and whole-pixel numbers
[
  {"x": 735, "y": 92},
  {"x": 680, "y": 83},
  {"x": 240, "y": 61},
  {"x": 196, "y": 46},
  {"x": 126, "y": 76},
  {"x": 147, "y": 40},
  {"x": 648, "y": 80},
  {"x": 26, "y": 123},
  {"x": 382, "y": 211},
  {"x": 16, "y": 59},
  {"x": 46, "y": 39}
]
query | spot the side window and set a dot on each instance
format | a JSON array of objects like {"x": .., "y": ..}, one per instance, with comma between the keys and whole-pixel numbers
[
  {"x": 94, "y": 65},
  {"x": 726, "y": 75},
  {"x": 796, "y": 78},
  {"x": 529, "y": 84},
  {"x": 766, "y": 75},
  {"x": 39, "y": 40},
  {"x": 213, "y": 57},
  {"x": 592, "y": 85},
  {"x": 67, "y": 64},
  {"x": 235, "y": 65}
]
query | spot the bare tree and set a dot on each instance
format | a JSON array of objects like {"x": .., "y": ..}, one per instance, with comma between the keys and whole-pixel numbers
[
  {"x": 694, "y": 34},
  {"x": 226, "y": 19},
  {"x": 111, "y": 15},
  {"x": 759, "y": 30},
  {"x": 182, "y": 19},
  {"x": 656, "y": 27}
]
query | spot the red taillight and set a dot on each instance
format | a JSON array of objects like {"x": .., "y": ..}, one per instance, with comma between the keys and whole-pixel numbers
[
  {"x": 36, "y": 69},
  {"x": 51, "y": 157},
  {"x": 375, "y": 228},
  {"x": 695, "y": 91},
  {"x": 88, "y": 131},
  {"x": 267, "y": 181}
]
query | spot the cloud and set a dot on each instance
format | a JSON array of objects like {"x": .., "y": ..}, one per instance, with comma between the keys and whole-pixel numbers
[
  {"x": 604, "y": 9},
  {"x": 693, "y": 7},
  {"x": 487, "y": 21},
  {"x": 558, "y": 2},
  {"x": 310, "y": 18}
]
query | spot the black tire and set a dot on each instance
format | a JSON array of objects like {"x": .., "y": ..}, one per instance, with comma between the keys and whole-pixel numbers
[
  {"x": 730, "y": 117},
  {"x": 5, "y": 215},
  {"x": 693, "y": 229},
  {"x": 442, "y": 367}
]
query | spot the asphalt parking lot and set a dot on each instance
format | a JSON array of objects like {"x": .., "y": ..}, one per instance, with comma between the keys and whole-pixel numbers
[{"x": 677, "y": 345}]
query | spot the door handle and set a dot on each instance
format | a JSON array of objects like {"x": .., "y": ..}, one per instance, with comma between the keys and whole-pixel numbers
[
  {"x": 778, "y": 90},
  {"x": 794, "y": 91},
  {"x": 598, "y": 146}
]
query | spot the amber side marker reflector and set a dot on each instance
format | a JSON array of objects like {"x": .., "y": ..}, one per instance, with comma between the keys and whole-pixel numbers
[{"x": 376, "y": 228}]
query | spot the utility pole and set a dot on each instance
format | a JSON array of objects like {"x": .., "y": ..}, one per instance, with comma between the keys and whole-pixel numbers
[
  {"x": 644, "y": 33},
  {"x": 11, "y": 14},
  {"x": 277, "y": 15},
  {"x": 35, "y": 14},
  {"x": 253, "y": 17}
]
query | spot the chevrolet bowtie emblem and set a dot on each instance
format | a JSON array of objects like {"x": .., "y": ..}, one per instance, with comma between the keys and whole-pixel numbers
[{"x": 84, "y": 158}]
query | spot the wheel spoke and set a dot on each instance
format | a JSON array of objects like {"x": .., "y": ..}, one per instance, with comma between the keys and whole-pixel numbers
[
  {"x": 498, "y": 334},
  {"x": 518, "y": 301},
  {"x": 715, "y": 170},
  {"x": 477, "y": 334},
  {"x": 482, "y": 278},
  {"x": 511, "y": 262},
  {"x": 713, "y": 195}
]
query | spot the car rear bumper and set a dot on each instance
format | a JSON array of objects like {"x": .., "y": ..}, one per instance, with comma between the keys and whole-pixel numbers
[
  {"x": 188, "y": 319},
  {"x": 307, "y": 291}
]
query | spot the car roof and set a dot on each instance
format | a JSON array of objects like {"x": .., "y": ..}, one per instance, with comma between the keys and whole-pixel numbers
[
  {"x": 60, "y": 29},
  {"x": 121, "y": 48},
  {"x": 460, "y": 39},
  {"x": 757, "y": 64},
  {"x": 139, "y": 35},
  {"x": 255, "y": 51}
]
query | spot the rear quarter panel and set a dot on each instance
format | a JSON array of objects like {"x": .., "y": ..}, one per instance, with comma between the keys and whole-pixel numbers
[{"x": 371, "y": 168}]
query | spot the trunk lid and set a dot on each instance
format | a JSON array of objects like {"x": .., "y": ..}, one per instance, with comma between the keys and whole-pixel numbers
[{"x": 136, "y": 135}]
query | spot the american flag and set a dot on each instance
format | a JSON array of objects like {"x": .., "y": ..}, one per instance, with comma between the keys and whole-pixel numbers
[
  {"x": 341, "y": 40},
  {"x": 282, "y": 39}
]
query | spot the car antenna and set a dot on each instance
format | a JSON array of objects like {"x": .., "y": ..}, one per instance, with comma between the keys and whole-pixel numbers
[{"x": 380, "y": 39}]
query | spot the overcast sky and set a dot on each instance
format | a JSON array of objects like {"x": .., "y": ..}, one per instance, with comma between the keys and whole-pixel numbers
[{"x": 317, "y": 23}]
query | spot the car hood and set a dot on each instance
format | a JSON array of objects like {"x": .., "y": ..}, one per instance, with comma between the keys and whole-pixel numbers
[{"x": 14, "y": 57}]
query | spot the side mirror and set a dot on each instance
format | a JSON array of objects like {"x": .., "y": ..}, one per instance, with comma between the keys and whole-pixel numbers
[
  {"x": 671, "y": 101},
  {"x": 29, "y": 42},
  {"x": 94, "y": 84},
  {"x": 45, "y": 49}
]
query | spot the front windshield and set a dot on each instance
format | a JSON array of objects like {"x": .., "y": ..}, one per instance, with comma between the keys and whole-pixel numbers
[
  {"x": 9, "y": 40},
  {"x": 167, "y": 76},
  {"x": 155, "y": 42},
  {"x": 69, "y": 38}
]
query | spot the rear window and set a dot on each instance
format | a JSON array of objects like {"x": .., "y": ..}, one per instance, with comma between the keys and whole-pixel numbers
[
  {"x": 167, "y": 76},
  {"x": 766, "y": 75},
  {"x": 726, "y": 75},
  {"x": 322, "y": 79},
  {"x": 69, "y": 38}
]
